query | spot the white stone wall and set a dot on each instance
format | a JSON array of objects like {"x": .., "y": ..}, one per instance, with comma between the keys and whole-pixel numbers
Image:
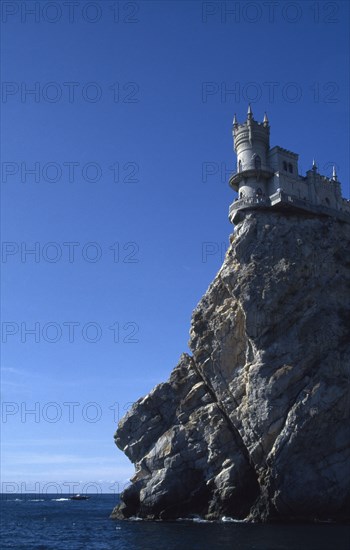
[
  {"x": 276, "y": 159},
  {"x": 246, "y": 154},
  {"x": 250, "y": 187},
  {"x": 325, "y": 192}
]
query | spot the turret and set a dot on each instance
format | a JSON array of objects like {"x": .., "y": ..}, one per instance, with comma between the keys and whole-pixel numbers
[
  {"x": 251, "y": 142},
  {"x": 334, "y": 174}
]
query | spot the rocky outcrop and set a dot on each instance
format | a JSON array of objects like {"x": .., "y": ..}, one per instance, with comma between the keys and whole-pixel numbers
[{"x": 255, "y": 424}]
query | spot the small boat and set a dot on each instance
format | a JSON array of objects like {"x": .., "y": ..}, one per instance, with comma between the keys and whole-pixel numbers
[{"x": 79, "y": 497}]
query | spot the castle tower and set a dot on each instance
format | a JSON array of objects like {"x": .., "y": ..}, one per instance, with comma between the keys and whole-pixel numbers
[{"x": 251, "y": 142}]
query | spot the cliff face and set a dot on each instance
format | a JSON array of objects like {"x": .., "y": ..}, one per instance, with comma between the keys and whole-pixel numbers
[{"x": 256, "y": 423}]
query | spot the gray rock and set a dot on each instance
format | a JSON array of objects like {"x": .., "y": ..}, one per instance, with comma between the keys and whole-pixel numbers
[{"x": 256, "y": 423}]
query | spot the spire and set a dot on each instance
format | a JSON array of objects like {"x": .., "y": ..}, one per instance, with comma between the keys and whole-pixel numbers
[
  {"x": 234, "y": 120},
  {"x": 250, "y": 112},
  {"x": 334, "y": 174},
  {"x": 266, "y": 120},
  {"x": 314, "y": 165}
]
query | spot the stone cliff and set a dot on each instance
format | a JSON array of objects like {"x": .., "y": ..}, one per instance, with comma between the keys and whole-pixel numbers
[{"x": 255, "y": 424}]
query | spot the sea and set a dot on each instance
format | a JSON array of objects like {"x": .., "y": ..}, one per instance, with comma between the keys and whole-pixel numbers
[{"x": 52, "y": 522}]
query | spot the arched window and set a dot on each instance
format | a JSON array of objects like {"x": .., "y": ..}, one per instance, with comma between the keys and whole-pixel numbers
[
  {"x": 259, "y": 192},
  {"x": 327, "y": 201},
  {"x": 239, "y": 166},
  {"x": 290, "y": 168},
  {"x": 257, "y": 162}
]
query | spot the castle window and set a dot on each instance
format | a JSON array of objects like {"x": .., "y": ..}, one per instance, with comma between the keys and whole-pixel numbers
[
  {"x": 257, "y": 163},
  {"x": 284, "y": 165},
  {"x": 259, "y": 192},
  {"x": 290, "y": 168},
  {"x": 327, "y": 201},
  {"x": 239, "y": 166}
]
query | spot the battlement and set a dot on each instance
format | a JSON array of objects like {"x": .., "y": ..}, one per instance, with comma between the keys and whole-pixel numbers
[
  {"x": 269, "y": 177},
  {"x": 249, "y": 131}
]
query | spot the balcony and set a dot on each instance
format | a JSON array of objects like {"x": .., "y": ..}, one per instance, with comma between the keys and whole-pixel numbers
[
  {"x": 284, "y": 202},
  {"x": 247, "y": 203},
  {"x": 258, "y": 174}
]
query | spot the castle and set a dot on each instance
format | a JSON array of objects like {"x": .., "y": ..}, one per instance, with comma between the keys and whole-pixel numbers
[{"x": 269, "y": 178}]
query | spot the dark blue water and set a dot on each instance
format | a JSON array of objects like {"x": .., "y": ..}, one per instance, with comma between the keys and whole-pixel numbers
[{"x": 48, "y": 523}]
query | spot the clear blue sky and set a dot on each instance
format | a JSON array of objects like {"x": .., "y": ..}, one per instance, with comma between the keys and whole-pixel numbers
[{"x": 149, "y": 91}]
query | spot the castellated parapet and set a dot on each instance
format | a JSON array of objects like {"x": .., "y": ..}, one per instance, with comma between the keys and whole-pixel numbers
[{"x": 269, "y": 177}]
